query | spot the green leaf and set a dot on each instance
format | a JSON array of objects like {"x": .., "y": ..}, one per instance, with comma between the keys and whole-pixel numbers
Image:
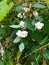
[
  {"x": 18, "y": 8},
  {"x": 2, "y": 31},
  {"x": 43, "y": 41},
  {"x": 46, "y": 54},
  {"x": 38, "y": 5},
  {"x": 29, "y": 26},
  {"x": 19, "y": 55},
  {"x": 38, "y": 57},
  {"x": 21, "y": 47},
  {"x": 39, "y": 18},
  {"x": 36, "y": 35},
  {"x": 24, "y": 5},
  {"x": 32, "y": 58},
  {"x": 1, "y": 63},
  {"x": 14, "y": 26},
  {"x": 33, "y": 23},
  {"x": 17, "y": 39},
  {"x": 5, "y": 8}
]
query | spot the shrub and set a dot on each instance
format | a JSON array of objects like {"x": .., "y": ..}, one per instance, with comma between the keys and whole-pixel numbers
[{"x": 24, "y": 33}]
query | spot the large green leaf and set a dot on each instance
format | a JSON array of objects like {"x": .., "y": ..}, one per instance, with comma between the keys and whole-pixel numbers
[{"x": 5, "y": 8}]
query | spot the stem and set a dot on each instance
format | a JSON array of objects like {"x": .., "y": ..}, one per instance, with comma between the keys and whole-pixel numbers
[
  {"x": 34, "y": 2},
  {"x": 36, "y": 50}
]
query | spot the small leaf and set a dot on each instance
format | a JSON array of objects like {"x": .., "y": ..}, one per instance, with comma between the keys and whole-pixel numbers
[
  {"x": 33, "y": 23},
  {"x": 24, "y": 5},
  {"x": 39, "y": 18},
  {"x": 14, "y": 26},
  {"x": 38, "y": 58},
  {"x": 2, "y": 31},
  {"x": 29, "y": 26},
  {"x": 44, "y": 41},
  {"x": 18, "y": 8},
  {"x": 38, "y": 5},
  {"x": 46, "y": 54},
  {"x": 21, "y": 47},
  {"x": 19, "y": 55},
  {"x": 17, "y": 39},
  {"x": 32, "y": 58}
]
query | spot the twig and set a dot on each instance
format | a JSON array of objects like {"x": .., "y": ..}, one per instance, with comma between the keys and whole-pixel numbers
[
  {"x": 40, "y": 2},
  {"x": 36, "y": 50},
  {"x": 34, "y": 2}
]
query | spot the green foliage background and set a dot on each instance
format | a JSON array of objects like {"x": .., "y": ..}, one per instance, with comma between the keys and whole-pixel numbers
[{"x": 8, "y": 16}]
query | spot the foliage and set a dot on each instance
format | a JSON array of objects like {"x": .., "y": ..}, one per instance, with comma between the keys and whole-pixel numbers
[{"x": 24, "y": 32}]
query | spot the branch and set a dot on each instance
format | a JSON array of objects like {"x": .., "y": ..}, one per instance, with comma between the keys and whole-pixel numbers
[
  {"x": 36, "y": 50},
  {"x": 33, "y": 2}
]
